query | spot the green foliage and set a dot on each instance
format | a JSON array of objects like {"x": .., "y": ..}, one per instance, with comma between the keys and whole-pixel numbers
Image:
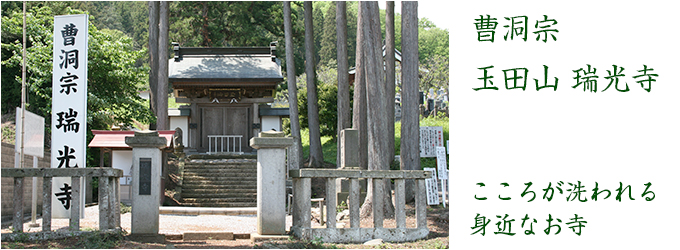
[
  {"x": 432, "y": 41},
  {"x": 328, "y": 146},
  {"x": 325, "y": 32},
  {"x": 21, "y": 236},
  {"x": 328, "y": 107},
  {"x": 328, "y": 46},
  {"x": 8, "y": 134},
  {"x": 113, "y": 78},
  {"x": 98, "y": 239},
  {"x": 431, "y": 121},
  {"x": 125, "y": 208},
  {"x": 341, "y": 207},
  {"x": 434, "y": 72},
  {"x": 327, "y": 93},
  {"x": 317, "y": 241}
]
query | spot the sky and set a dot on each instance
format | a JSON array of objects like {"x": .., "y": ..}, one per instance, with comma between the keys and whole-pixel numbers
[{"x": 436, "y": 11}]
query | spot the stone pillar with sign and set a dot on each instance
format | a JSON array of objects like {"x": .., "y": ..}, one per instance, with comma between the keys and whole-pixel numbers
[
  {"x": 146, "y": 180},
  {"x": 69, "y": 108},
  {"x": 271, "y": 181}
]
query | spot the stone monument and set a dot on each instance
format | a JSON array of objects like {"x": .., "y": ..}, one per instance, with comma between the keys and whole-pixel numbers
[
  {"x": 146, "y": 181},
  {"x": 349, "y": 159}
]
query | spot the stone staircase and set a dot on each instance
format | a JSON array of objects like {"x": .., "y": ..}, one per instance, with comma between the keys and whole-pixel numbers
[{"x": 220, "y": 183}]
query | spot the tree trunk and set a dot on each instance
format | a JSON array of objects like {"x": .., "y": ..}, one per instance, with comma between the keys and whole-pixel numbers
[
  {"x": 410, "y": 131},
  {"x": 344, "y": 116},
  {"x": 377, "y": 117},
  {"x": 389, "y": 77},
  {"x": 315, "y": 152},
  {"x": 359, "y": 112},
  {"x": 162, "y": 90},
  {"x": 204, "y": 28},
  {"x": 162, "y": 94},
  {"x": 296, "y": 153},
  {"x": 153, "y": 57}
]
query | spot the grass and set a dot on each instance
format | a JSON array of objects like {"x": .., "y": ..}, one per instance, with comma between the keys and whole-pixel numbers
[{"x": 329, "y": 144}]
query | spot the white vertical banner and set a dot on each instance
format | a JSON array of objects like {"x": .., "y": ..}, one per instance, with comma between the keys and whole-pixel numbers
[{"x": 69, "y": 107}]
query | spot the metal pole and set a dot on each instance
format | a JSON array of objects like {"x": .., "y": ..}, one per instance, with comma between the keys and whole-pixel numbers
[
  {"x": 34, "y": 196},
  {"x": 34, "y": 193}
]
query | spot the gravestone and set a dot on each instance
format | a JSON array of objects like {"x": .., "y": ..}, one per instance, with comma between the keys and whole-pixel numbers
[
  {"x": 349, "y": 159},
  {"x": 146, "y": 181}
]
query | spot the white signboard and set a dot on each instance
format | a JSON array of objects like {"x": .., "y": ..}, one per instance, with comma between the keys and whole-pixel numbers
[
  {"x": 35, "y": 134},
  {"x": 430, "y": 138},
  {"x": 432, "y": 188},
  {"x": 69, "y": 106},
  {"x": 441, "y": 164}
]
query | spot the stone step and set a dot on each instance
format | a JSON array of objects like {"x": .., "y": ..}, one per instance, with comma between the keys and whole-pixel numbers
[
  {"x": 220, "y": 180},
  {"x": 211, "y": 171},
  {"x": 222, "y": 204},
  {"x": 230, "y": 157},
  {"x": 226, "y": 182},
  {"x": 218, "y": 200},
  {"x": 219, "y": 164},
  {"x": 219, "y": 174},
  {"x": 249, "y": 194},
  {"x": 217, "y": 191},
  {"x": 219, "y": 186}
]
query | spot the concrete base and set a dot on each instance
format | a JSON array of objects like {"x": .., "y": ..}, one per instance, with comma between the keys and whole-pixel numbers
[
  {"x": 147, "y": 238},
  {"x": 255, "y": 237},
  {"x": 360, "y": 235},
  {"x": 208, "y": 210},
  {"x": 208, "y": 236}
]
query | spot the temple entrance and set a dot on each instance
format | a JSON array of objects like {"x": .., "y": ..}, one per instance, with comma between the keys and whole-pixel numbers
[{"x": 226, "y": 120}]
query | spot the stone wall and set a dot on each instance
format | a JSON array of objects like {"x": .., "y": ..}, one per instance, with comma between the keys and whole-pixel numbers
[{"x": 8, "y": 183}]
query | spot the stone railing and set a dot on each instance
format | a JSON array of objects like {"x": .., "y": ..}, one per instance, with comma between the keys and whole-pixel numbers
[
  {"x": 216, "y": 144},
  {"x": 302, "y": 206},
  {"x": 109, "y": 198}
]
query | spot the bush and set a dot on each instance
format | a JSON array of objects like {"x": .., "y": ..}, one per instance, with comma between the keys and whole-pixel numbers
[{"x": 328, "y": 108}]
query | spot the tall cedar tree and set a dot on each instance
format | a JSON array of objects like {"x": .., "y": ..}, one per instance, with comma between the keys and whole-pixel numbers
[
  {"x": 378, "y": 195},
  {"x": 315, "y": 151}
]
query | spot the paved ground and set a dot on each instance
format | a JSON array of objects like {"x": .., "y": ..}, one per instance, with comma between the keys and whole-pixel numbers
[{"x": 168, "y": 223}]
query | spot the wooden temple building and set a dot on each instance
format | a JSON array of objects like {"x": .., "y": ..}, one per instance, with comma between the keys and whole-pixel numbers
[{"x": 225, "y": 91}]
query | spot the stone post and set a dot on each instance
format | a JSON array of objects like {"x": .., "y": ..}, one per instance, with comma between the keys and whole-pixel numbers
[
  {"x": 146, "y": 181},
  {"x": 271, "y": 181}
]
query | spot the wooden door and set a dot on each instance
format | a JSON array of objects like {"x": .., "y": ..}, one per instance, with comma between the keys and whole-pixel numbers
[
  {"x": 226, "y": 121},
  {"x": 212, "y": 123}
]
